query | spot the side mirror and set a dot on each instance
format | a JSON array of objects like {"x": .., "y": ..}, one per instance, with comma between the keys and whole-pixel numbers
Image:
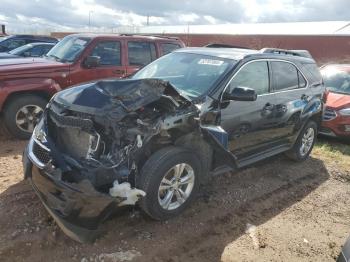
[
  {"x": 26, "y": 54},
  {"x": 91, "y": 61},
  {"x": 240, "y": 94}
]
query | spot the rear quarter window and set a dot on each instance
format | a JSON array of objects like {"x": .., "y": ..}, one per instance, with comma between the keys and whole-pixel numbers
[
  {"x": 168, "y": 48},
  {"x": 313, "y": 70},
  {"x": 141, "y": 53}
]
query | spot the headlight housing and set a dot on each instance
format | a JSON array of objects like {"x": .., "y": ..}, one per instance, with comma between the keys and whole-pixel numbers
[{"x": 345, "y": 111}]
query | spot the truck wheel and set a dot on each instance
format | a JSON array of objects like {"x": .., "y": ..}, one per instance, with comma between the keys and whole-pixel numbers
[
  {"x": 171, "y": 179},
  {"x": 304, "y": 143},
  {"x": 22, "y": 114}
]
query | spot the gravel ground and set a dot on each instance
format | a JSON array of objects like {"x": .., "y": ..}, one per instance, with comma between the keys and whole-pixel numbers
[{"x": 276, "y": 210}]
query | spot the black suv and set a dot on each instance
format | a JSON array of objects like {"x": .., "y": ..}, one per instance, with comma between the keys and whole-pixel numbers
[
  {"x": 154, "y": 138},
  {"x": 14, "y": 41}
]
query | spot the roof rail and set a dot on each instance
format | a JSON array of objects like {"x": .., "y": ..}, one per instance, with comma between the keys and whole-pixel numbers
[
  {"x": 302, "y": 53},
  {"x": 167, "y": 37},
  {"x": 219, "y": 45},
  {"x": 160, "y": 36}
]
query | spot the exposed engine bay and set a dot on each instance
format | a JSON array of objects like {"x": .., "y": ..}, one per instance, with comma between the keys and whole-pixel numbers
[{"x": 108, "y": 139}]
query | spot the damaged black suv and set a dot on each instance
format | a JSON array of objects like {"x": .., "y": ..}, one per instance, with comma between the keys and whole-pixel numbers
[{"x": 154, "y": 138}]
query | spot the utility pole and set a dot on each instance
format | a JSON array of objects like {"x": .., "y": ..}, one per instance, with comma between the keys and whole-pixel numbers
[
  {"x": 90, "y": 12},
  {"x": 147, "y": 20}
]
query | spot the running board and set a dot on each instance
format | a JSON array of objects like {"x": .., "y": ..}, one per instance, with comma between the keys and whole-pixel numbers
[{"x": 262, "y": 155}]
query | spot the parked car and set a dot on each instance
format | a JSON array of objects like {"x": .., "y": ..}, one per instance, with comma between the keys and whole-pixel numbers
[
  {"x": 28, "y": 50},
  {"x": 155, "y": 137},
  {"x": 336, "y": 118},
  {"x": 27, "y": 85},
  {"x": 9, "y": 43}
]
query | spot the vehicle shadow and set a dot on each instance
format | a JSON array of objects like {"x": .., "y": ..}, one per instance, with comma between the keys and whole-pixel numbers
[
  {"x": 225, "y": 207},
  {"x": 217, "y": 217}
]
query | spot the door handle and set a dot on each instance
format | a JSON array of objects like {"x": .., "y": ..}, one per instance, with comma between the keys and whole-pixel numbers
[
  {"x": 119, "y": 71},
  {"x": 269, "y": 107}
]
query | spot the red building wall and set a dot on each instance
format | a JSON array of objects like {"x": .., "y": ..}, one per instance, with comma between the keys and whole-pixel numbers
[{"x": 325, "y": 49}]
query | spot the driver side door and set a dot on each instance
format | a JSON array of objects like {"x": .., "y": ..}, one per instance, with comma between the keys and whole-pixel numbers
[{"x": 250, "y": 125}]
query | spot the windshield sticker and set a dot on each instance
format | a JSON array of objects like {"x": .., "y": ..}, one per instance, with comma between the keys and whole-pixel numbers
[
  {"x": 210, "y": 62},
  {"x": 80, "y": 42}
]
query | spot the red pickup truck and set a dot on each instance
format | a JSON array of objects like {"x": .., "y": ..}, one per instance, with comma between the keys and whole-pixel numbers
[{"x": 27, "y": 84}]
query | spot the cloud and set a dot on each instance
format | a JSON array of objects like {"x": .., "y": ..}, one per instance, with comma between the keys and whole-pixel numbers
[{"x": 63, "y": 15}]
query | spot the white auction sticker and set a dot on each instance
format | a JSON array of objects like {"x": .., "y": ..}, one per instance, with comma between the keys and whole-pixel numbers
[{"x": 210, "y": 62}]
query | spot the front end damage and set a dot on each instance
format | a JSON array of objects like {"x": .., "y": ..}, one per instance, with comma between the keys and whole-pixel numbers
[{"x": 84, "y": 155}]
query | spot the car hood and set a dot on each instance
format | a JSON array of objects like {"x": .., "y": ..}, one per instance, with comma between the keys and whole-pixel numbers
[
  {"x": 10, "y": 68},
  {"x": 116, "y": 98},
  {"x": 5, "y": 55},
  {"x": 336, "y": 100}
]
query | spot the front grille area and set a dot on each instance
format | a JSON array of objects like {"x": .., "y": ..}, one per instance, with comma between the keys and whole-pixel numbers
[
  {"x": 329, "y": 114},
  {"x": 42, "y": 154}
]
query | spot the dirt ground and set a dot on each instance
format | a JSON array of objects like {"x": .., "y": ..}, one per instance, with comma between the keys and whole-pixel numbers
[{"x": 276, "y": 210}]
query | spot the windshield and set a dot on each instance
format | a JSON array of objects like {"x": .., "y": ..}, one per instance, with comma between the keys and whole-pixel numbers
[
  {"x": 191, "y": 74},
  {"x": 20, "y": 50},
  {"x": 68, "y": 49},
  {"x": 336, "y": 80}
]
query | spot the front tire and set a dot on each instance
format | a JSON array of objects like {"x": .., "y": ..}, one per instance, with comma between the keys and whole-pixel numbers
[
  {"x": 304, "y": 143},
  {"x": 171, "y": 179},
  {"x": 22, "y": 114}
]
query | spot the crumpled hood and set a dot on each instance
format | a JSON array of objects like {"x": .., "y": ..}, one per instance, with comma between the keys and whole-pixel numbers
[
  {"x": 114, "y": 97},
  {"x": 336, "y": 100}
]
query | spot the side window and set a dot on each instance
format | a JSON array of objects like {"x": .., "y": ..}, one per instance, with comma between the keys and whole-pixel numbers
[
  {"x": 46, "y": 49},
  {"x": 302, "y": 81},
  {"x": 168, "y": 48},
  {"x": 254, "y": 75},
  {"x": 36, "y": 51},
  {"x": 109, "y": 53},
  {"x": 141, "y": 53},
  {"x": 284, "y": 76}
]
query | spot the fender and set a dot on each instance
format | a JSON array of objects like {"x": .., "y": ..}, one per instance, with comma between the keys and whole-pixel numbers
[
  {"x": 8, "y": 87},
  {"x": 313, "y": 109}
]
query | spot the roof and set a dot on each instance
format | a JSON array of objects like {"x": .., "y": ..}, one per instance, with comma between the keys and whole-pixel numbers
[
  {"x": 298, "y": 28},
  {"x": 96, "y": 35},
  {"x": 230, "y": 53},
  {"x": 41, "y": 43},
  {"x": 238, "y": 53}
]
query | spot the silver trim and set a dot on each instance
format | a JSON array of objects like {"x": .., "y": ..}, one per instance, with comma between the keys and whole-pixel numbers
[
  {"x": 32, "y": 157},
  {"x": 40, "y": 144},
  {"x": 267, "y": 60},
  {"x": 332, "y": 118}
]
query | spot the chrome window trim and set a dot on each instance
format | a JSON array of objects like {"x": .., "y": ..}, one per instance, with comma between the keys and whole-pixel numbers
[{"x": 271, "y": 91}]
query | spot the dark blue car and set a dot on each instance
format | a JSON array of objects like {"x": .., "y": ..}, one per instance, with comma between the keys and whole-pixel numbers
[{"x": 14, "y": 41}]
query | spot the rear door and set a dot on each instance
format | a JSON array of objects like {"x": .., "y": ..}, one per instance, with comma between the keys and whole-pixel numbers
[
  {"x": 292, "y": 95},
  {"x": 250, "y": 125},
  {"x": 139, "y": 54}
]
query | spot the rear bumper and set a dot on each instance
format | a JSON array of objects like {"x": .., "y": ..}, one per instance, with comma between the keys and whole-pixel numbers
[{"x": 77, "y": 208}]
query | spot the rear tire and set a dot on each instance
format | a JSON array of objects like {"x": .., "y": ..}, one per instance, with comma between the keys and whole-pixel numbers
[
  {"x": 304, "y": 143},
  {"x": 22, "y": 113},
  {"x": 159, "y": 180}
]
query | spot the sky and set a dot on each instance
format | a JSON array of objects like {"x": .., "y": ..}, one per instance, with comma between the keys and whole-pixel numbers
[{"x": 34, "y": 16}]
